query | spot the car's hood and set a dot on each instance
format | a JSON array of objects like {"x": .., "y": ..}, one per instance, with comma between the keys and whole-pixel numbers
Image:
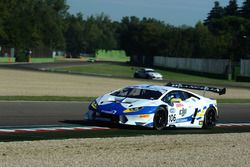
[
  {"x": 119, "y": 104},
  {"x": 155, "y": 74}
]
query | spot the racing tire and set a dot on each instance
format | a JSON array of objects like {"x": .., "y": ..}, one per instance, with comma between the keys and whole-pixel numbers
[
  {"x": 136, "y": 75},
  {"x": 209, "y": 119},
  {"x": 160, "y": 119},
  {"x": 91, "y": 115},
  {"x": 148, "y": 77}
]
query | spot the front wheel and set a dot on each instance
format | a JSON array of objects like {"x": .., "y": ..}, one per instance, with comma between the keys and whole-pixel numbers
[
  {"x": 160, "y": 119},
  {"x": 91, "y": 115},
  {"x": 209, "y": 119}
]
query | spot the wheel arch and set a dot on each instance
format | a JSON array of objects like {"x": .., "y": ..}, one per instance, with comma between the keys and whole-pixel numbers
[
  {"x": 212, "y": 107},
  {"x": 209, "y": 123},
  {"x": 166, "y": 116}
]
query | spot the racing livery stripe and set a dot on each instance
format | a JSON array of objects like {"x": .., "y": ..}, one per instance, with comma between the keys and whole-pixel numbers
[{"x": 53, "y": 129}]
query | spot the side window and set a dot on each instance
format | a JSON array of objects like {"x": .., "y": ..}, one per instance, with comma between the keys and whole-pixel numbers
[
  {"x": 189, "y": 95},
  {"x": 173, "y": 95}
]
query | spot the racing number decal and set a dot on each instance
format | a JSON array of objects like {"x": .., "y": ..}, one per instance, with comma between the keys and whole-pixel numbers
[{"x": 172, "y": 118}]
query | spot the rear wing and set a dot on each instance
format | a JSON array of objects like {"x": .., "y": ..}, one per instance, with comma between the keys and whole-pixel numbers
[{"x": 197, "y": 87}]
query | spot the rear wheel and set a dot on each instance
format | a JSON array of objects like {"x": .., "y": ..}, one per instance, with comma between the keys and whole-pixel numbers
[
  {"x": 160, "y": 118},
  {"x": 209, "y": 119}
]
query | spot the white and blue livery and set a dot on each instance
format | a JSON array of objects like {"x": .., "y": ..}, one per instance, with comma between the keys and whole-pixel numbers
[{"x": 157, "y": 106}]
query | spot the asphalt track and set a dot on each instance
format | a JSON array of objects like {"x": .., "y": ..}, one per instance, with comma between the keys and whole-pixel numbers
[{"x": 65, "y": 113}]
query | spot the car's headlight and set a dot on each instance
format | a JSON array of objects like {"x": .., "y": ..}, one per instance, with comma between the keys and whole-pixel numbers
[
  {"x": 132, "y": 109},
  {"x": 94, "y": 105}
]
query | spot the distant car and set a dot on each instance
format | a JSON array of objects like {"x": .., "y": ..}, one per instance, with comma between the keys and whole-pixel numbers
[
  {"x": 92, "y": 60},
  {"x": 157, "y": 106},
  {"x": 147, "y": 73}
]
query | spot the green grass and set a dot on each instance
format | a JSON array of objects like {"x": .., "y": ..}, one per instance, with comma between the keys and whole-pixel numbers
[
  {"x": 112, "y": 55},
  {"x": 6, "y": 60},
  {"x": 33, "y": 60},
  {"x": 121, "y": 132},
  {"x": 42, "y": 60},
  {"x": 45, "y": 98},
  {"x": 128, "y": 71},
  {"x": 101, "y": 69},
  {"x": 87, "y": 99}
]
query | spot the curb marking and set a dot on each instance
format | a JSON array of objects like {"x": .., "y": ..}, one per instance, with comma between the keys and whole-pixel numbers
[
  {"x": 232, "y": 125},
  {"x": 62, "y": 129},
  {"x": 54, "y": 129}
]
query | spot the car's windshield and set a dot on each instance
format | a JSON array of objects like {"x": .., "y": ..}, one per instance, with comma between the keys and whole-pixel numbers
[{"x": 138, "y": 93}]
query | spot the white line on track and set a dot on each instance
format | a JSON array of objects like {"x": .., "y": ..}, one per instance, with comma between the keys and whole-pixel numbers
[{"x": 232, "y": 124}]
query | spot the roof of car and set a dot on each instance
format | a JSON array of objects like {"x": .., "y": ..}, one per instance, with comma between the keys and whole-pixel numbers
[
  {"x": 159, "y": 88},
  {"x": 148, "y": 69}
]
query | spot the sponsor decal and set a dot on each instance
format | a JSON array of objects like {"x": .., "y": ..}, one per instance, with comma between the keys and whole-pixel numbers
[
  {"x": 182, "y": 120},
  {"x": 172, "y": 118},
  {"x": 200, "y": 114},
  {"x": 109, "y": 112},
  {"x": 183, "y": 112},
  {"x": 178, "y": 105},
  {"x": 200, "y": 122},
  {"x": 172, "y": 110},
  {"x": 186, "y": 119}
]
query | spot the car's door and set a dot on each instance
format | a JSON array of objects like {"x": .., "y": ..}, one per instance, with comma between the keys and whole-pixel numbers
[
  {"x": 181, "y": 107},
  {"x": 143, "y": 73}
]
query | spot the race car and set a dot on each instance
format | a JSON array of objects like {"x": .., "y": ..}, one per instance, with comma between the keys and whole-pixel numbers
[
  {"x": 157, "y": 106},
  {"x": 148, "y": 73}
]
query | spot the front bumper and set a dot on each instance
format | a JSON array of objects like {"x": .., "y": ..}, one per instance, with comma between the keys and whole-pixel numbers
[
  {"x": 140, "y": 120},
  {"x": 156, "y": 78}
]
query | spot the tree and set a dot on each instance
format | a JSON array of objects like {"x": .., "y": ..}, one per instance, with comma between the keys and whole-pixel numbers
[
  {"x": 3, "y": 17},
  {"x": 245, "y": 9},
  {"x": 100, "y": 33},
  {"x": 204, "y": 42},
  {"x": 74, "y": 34},
  {"x": 129, "y": 37},
  {"x": 216, "y": 13},
  {"x": 232, "y": 8}
]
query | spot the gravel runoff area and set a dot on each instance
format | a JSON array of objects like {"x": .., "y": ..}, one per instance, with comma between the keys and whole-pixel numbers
[
  {"x": 30, "y": 83},
  {"x": 173, "y": 150}
]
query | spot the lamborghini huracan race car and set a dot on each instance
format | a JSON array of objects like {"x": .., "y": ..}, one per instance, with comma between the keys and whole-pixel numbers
[{"x": 157, "y": 106}]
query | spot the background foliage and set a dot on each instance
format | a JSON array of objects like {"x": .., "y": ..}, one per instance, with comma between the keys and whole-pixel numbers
[{"x": 225, "y": 33}]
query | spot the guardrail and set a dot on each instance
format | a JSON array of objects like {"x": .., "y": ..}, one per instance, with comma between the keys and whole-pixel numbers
[{"x": 245, "y": 67}]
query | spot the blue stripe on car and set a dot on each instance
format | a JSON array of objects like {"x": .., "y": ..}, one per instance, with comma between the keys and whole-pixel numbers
[
  {"x": 186, "y": 119},
  {"x": 149, "y": 124},
  {"x": 117, "y": 109}
]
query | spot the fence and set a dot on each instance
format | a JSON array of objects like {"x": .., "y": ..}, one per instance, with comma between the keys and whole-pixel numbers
[
  {"x": 244, "y": 67},
  {"x": 7, "y": 52},
  {"x": 36, "y": 52},
  {"x": 213, "y": 66},
  {"x": 41, "y": 52}
]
